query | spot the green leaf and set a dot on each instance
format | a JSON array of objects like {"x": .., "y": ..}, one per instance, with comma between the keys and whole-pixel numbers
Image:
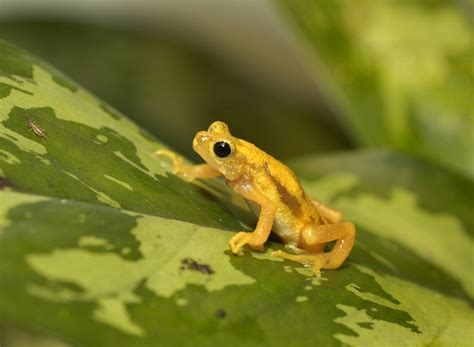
[
  {"x": 100, "y": 247},
  {"x": 401, "y": 72}
]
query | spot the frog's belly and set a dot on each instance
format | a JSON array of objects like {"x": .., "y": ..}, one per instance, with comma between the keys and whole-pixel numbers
[{"x": 288, "y": 232}]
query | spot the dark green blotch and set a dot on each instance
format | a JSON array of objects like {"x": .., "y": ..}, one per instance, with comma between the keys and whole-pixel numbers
[
  {"x": 57, "y": 224},
  {"x": 73, "y": 148},
  {"x": 65, "y": 82},
  {"x": 112, "y": 112},
  {"x": 5, "y": 182},
  {"x": 366, "y": 325},
  {"x": 5, "y": 90},
  {"x": 15, "y": 62}
]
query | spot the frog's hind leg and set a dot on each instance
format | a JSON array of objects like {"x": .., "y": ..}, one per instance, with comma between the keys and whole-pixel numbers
[
  {"x": 329, "y": 215},
  {"x": 312, "y": 235}
]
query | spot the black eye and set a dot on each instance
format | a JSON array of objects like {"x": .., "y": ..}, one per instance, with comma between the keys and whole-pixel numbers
[{"x": 222, "y": 149}]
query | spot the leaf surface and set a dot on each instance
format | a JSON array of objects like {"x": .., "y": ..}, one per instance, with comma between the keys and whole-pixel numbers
[{"x": 95, "y": 234}]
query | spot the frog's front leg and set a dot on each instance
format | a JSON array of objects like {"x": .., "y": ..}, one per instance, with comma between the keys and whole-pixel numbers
[
  {"x": 189, "y": 172},
  {"x": 311, "y": 235},
  {"x": 244, "y": 187}
]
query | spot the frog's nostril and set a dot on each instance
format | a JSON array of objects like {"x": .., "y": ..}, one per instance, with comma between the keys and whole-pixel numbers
[{"x": 200, "y": 138}]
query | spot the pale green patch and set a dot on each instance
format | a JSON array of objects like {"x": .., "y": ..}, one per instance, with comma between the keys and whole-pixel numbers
[
  {"x": 102, "y": 138},
  {"x": 59, "y": 295},
  {"x": 79, "y": 106},
  {"x": 353, "y": 288},
  {"x": 433, "y": 236},
  {"x": 123, "y": 184},
  {"x": 443, "y": 321},
  {"x": 181, "y": 301},
  {"x": 302, "y": 298},
  {"x": 124, "y": 158},
  {"x": 100, "y": 274},
  {"x": 316, "y": 281},
  {"x": 397, "y": 336},
  {"x": 9, "y": 200},
  {"x": 305, "y": 271},
  {"x": 92, "y": 241},
  {"x": 9, "y": 158},
  {"x": 106, "y": 278},
  {"x": 106, "y": 200},
  {"x": 265, "y": 255},
  {"x": 110, "y": 280},
  {"x": 328, "y": 187},
  {"x": 174, "y": 241},
  {"x": 112, "y": 311},
  {"x": 125, "y": 251}
]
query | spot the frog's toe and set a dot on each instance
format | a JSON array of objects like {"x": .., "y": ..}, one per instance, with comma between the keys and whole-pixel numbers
[
  {"x": 258, "y": 248},
  {"x": 238, "y": 241},
  {"x": 278, "y": 254},
  {"x": 318, "y": 263},
  {"x": 316, "y": 267}
]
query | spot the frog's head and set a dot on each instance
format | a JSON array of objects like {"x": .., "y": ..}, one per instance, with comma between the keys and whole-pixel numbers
[{"x": 220, "y": 150}]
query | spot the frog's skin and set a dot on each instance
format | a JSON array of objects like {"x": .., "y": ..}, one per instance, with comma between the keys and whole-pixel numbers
[{"x": 304, "y": 225}]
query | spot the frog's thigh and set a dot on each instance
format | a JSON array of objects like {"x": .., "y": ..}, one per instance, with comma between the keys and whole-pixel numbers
[
  {"x": 343, "y": 233},
  {"x": 332, "y": 216}
]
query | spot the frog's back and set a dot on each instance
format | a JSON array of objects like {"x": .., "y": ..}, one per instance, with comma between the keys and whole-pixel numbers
[{"x": 280, "y": 185}]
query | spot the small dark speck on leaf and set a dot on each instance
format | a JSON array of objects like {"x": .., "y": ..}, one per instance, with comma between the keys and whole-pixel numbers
[
  {"x": 5, "y": 182},
  {"x": 221, "y": 313},
  {"x": 366, "y": 325},
  {"x": 191, "y": 264}
]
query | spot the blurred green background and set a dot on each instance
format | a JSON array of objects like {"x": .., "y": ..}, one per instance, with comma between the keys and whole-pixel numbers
[{"x": 295, "y": 77}]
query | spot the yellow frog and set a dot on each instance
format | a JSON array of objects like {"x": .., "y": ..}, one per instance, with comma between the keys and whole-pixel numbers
[{"x": 304, "y": 225}]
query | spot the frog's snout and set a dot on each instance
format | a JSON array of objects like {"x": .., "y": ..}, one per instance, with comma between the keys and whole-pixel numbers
[{"x": 200, "y": 139}]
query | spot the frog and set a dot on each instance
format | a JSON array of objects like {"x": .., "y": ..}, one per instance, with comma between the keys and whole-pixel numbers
[{"x": 275, "y": 194}]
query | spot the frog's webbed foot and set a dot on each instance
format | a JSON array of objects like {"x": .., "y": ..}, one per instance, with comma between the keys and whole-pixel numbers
[
  {"x": 241, "y": 239},
  {"x": 315, "y": 261}
]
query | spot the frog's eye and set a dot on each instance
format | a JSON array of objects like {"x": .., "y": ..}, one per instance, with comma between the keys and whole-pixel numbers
[{"x": 222, "y": 149}]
